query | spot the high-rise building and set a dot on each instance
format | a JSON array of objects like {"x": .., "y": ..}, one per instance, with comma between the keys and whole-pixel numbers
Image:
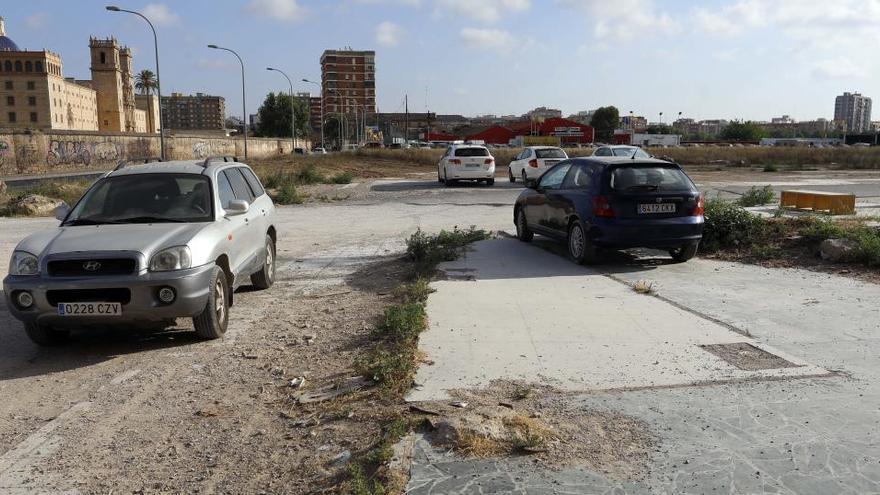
[
  {"x": 855, "y": 110},
  {"x": 194, "y": 112},
  {"x": 348, "y": 81}
]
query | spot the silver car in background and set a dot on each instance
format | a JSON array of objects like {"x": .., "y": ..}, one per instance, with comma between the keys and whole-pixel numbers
[{"x": 150, "y": 242}]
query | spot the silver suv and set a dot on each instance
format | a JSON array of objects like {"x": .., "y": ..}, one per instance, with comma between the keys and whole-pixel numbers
[{"x": 149, "y": 242}]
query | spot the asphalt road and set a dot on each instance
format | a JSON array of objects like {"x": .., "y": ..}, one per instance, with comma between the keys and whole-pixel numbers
[{"x": 86, "y": 412}]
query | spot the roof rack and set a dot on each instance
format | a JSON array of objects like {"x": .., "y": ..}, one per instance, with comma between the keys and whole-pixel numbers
[
  {"x": 219, "y": 158},
  {"x": 137, "y": 161}
]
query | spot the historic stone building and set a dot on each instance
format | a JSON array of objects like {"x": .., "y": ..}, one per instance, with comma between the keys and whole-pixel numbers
[{"x": 34, "y": 94}]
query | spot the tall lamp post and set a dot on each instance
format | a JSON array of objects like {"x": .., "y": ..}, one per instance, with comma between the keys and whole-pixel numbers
[
  {"x": 321, "y": 92},
  {"x": 292, "y": 112},
  {"x": 243, "y": 102},
  {"x": 340, "y": 117},
  {"x": 113, "y": 8}
]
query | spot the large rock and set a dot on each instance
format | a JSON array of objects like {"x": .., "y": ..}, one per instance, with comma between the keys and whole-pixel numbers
[
  {"x": 34, "y": 205},
  {"x": 837, "y": 249}
]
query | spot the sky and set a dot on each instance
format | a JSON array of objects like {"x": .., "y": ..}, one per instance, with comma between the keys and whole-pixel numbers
[{"x": 732, "y": 59}]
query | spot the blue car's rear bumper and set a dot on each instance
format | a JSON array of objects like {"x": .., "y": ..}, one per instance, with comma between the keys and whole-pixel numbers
[{"x": 622, "y": 233}]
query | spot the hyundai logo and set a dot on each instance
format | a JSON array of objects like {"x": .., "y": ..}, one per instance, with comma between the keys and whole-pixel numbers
[
  {"x": 659, "y": 200},
  {"x": 92, "y": 266}
]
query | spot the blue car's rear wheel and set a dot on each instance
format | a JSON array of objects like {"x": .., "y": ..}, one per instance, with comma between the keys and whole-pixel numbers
[
  {"x": 684, "y": 253},
  {"x": 580, "y": 249}
]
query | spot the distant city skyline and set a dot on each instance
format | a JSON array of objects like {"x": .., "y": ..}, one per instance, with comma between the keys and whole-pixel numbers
[{"x": 715, "y": 59}]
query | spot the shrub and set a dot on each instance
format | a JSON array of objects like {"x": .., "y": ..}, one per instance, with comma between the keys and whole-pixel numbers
[
  {"x": 342, "y": 178},
  {"x": 402, "y": 323},
  {"x": 728, "y": 225},
  {"x": 756, "y": 196},
  {"x": 288, "y": 195},
  {"x": 427, "y": 250},
  {"x": 309, "y": 175},
  {"x": 771, "y": 168}
]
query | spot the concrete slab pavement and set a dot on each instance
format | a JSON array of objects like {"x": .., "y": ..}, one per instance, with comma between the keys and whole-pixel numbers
[
  {"x": 531, "y": 315},
  {"x": 803, "y": 436}
]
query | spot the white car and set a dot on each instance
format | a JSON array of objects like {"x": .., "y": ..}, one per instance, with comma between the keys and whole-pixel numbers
[
  {"x": 620, "y": 150},
  {"x": 533, "y": 161},
  {"x": 466, "y": 162}
]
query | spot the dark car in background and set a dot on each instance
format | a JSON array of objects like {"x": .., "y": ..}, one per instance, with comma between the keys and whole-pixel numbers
[{"x": 613, "y": 203}]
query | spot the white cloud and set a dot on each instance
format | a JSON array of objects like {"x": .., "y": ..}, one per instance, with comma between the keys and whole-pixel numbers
[
  {"x": 625, "y": 19},
  {"x": 388, "y": 34},
  {"x": 36, "y": 21},
  {"x": 284, "y": 10},
  {"x": 160, "y": 14},
  {"x": 480, "y": 10},
  {"x": 840, "y": 68},
  {"x": 489, "y": 39}
]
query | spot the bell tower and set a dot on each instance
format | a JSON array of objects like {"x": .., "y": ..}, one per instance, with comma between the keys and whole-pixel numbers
[{"x": 108, "y": 82}]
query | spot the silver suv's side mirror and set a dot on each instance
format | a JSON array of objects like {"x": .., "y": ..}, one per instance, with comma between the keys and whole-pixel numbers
[
  {"x": 61, "y": 211},
  {"x": 237, "y": 207}
]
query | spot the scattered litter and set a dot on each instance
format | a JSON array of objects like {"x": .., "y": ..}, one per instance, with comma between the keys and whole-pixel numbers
[
  {"x": 341, "y": 458},
  {"x": 422, "y": 410},
  {"x": 315, "y": 296},
  {"x": 298, "y": 382},
  {"x": 348, "y": 386},
  {"x": 644, "y": 287},
  {"x": 506, "y": 404},
  {"x": 459, "y": 404}
]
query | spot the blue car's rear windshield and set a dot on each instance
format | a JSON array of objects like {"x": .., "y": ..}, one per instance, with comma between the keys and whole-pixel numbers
[
  {"x": 640, "y": 178},
  {"x": 145, "y": 198}
]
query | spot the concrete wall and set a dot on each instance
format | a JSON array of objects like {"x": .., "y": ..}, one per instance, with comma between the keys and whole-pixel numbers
[{"x": 66, "y": 151}]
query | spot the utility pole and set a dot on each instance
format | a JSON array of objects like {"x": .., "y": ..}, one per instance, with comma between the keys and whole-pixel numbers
[{"x": 406, "y": 121}]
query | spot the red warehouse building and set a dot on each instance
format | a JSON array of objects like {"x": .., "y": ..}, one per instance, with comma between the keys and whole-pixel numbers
[{"x": 567, "y": 130}]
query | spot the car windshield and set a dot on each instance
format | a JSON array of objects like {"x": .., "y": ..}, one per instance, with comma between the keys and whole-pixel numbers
[
  {"x": 550, "y": 153},
  {"x": 145, "y": 198},
  {"x": 471, "y": 152},
  {"x": 643, "y": 178},
  {"x": 629, "y": 152}
]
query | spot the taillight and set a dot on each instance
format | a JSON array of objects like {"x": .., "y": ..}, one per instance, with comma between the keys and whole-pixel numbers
[
  {"x": 701, "y": 206},
  {"x": 533, "y": 163},
  {"x": 455, "y": 161},
  {"x": 489, "y": 161},
  {"x": 602, "y": 207}
]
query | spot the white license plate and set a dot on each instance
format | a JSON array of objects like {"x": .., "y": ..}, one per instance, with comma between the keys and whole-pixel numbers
[
  {"x": 90, "y": 309},
  {"x": 657, "y": 208},
  {"x": 471, "y": 165}
]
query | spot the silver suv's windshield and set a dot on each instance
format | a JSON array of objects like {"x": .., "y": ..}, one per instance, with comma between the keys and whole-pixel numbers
[{"x": 145, "y": 198}]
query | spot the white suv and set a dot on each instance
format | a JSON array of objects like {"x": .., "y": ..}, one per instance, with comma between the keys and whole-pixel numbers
[
  {"x": 533, "y": 161},
  {"x": 466, "y": 162}
]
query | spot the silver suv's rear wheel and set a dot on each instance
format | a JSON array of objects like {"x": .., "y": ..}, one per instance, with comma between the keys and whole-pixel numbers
[
  {"x": 212, "y": 322},
  {"x": 264, "y": 278}
]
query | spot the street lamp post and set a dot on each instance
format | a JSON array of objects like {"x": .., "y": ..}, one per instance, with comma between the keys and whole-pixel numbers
[
  {"x": 292, "y": 113},
  {"x": 321, "y": 92},
  {"x": 340, "y": 117},
  {"x": 113, "y": 8},
  {"x": 243, "y": 102}
]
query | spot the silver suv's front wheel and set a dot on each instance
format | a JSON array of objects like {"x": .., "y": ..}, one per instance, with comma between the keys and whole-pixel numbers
[{"x": 212, "y": 322}]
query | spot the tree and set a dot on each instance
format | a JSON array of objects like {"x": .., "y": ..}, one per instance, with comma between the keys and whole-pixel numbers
[
  {"x": 331, "y": 129},
  {"x": 743, "y": 131},
  {"x": 660, "y": 129},
  {"x": 275, "y": 116},
  {"x": 604, "y": 121},
  {"x": 145, "y": 81}
]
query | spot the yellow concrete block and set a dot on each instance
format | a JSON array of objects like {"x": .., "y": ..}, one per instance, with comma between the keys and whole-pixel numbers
[{"x": 819, "y": 201}]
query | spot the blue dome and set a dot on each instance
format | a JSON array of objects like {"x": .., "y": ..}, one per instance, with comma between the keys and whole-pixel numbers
[{"x": 7, "y": 45}]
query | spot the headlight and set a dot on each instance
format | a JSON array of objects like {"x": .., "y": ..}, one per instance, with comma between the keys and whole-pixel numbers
[
  {"x": 23, "y": 263},
  {"x": 175, "y": 258}
]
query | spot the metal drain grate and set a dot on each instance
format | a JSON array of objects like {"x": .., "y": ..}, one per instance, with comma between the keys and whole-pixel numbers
[{"x": 747, "y": 357}]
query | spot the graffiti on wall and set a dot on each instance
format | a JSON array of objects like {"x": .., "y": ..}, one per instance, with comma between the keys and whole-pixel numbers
[
  {"x": 68, "y": 153},
  {"x": 5, "y": 151},
  {"x": 139, "y": 148},
  {"x": 202, "y": 149},
  {"x": 25, "y": 157},
  {"x": 105, "y": 152}
]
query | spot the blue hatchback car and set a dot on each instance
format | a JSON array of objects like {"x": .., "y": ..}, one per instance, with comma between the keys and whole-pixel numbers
[{"x": 613, "y": 203}]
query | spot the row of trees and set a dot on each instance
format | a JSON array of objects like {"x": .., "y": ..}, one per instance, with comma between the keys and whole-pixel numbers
[{"x": 606, "y": 119}]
